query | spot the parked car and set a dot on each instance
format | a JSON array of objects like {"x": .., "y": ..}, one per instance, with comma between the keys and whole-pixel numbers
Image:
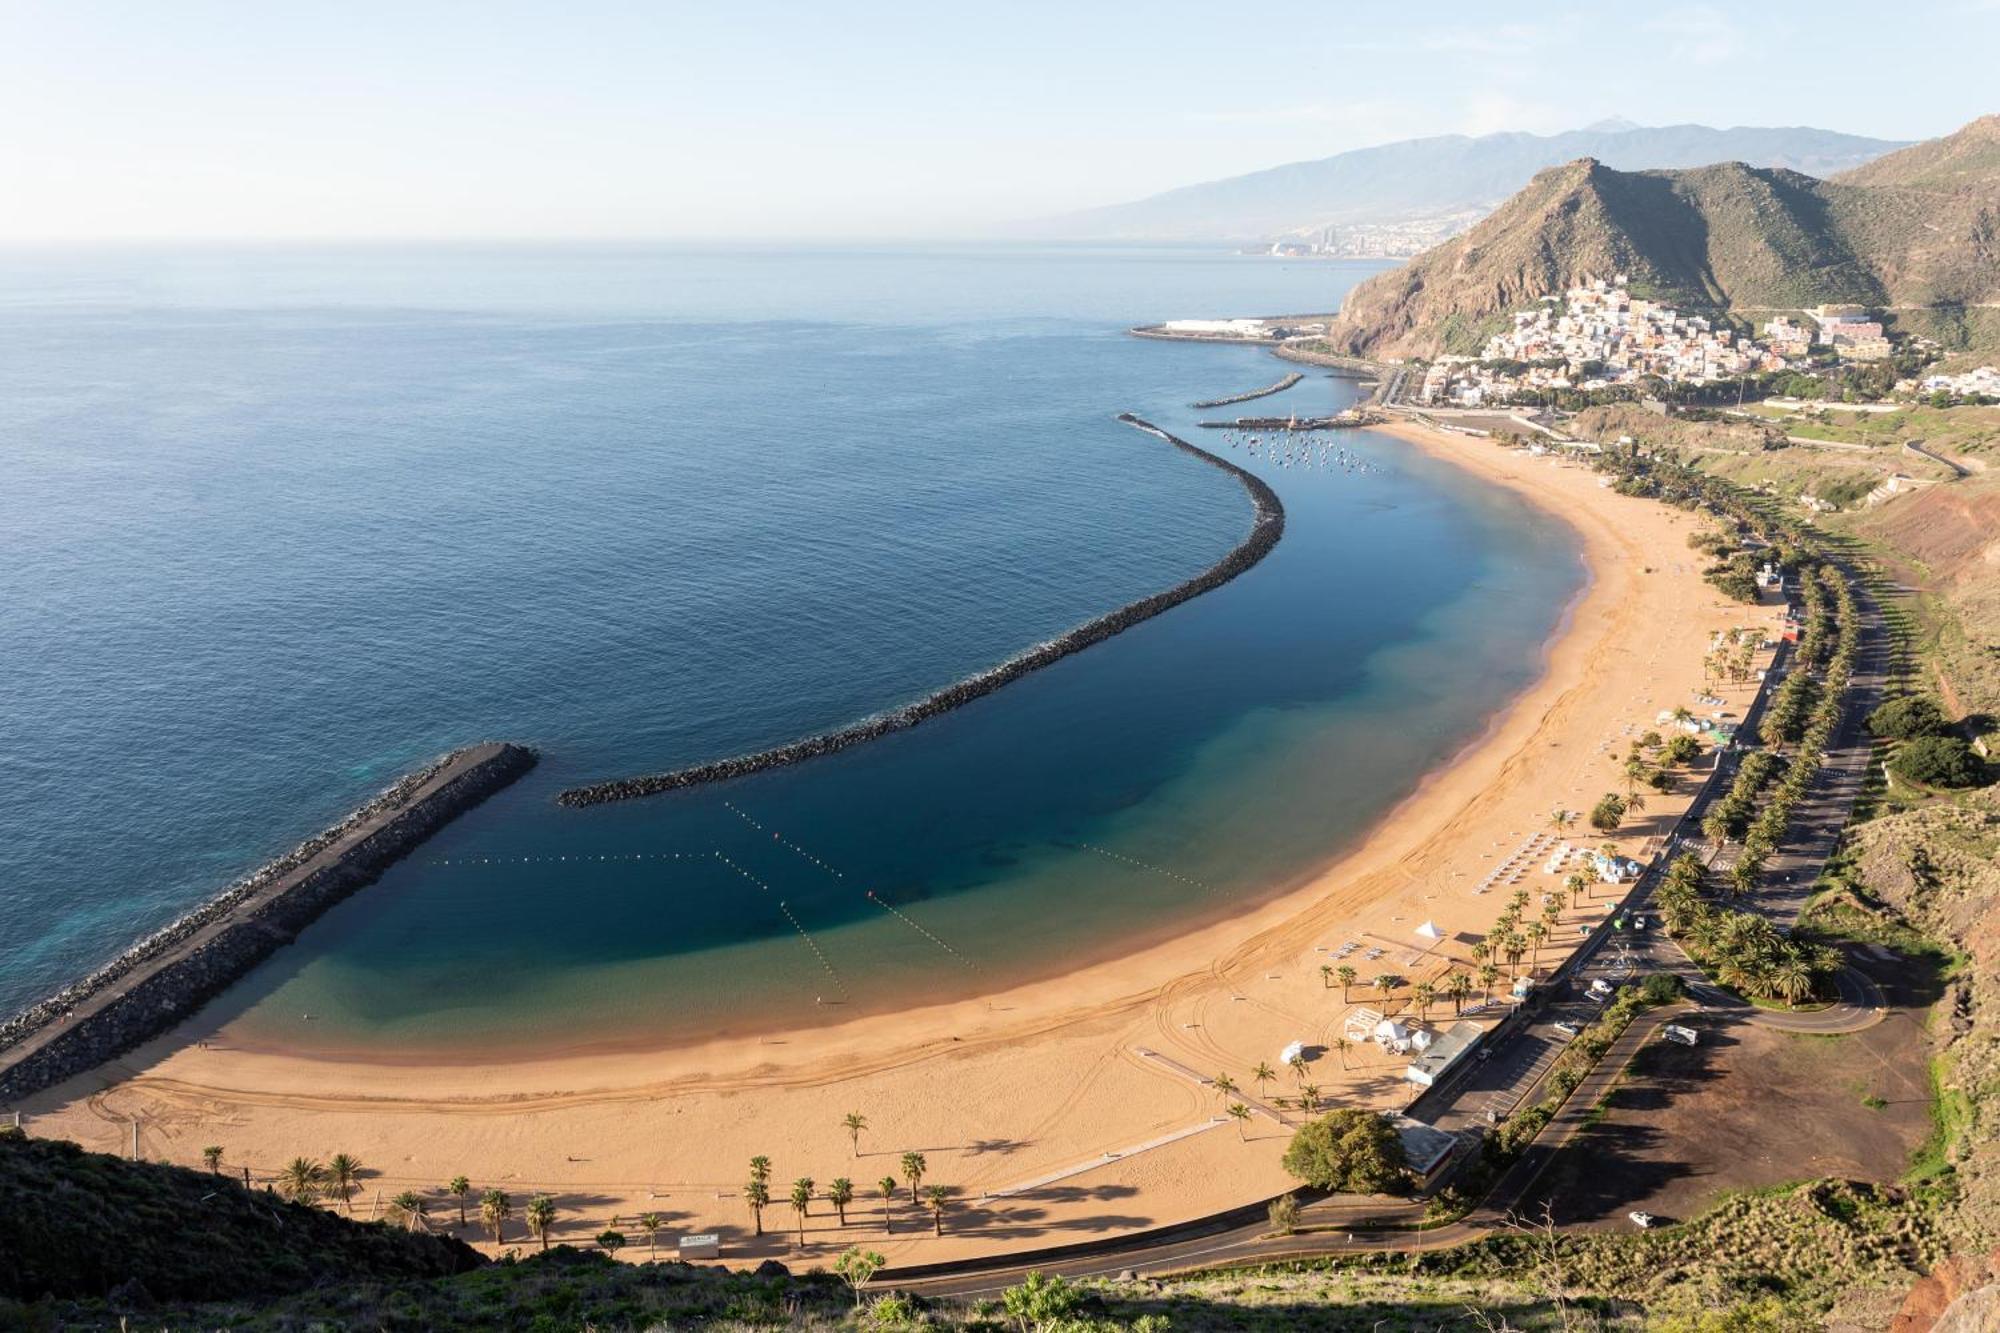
[
  {"x": 1600, "y": 989},
  {"x": 1677, "y": 1033},
  {"x": 1569, "y": 1029}
]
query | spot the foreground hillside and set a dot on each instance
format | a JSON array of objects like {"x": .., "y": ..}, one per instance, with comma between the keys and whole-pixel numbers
[{"x": 1918, "y": 231}]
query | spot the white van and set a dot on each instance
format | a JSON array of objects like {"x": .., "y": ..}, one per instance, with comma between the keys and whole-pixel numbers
[{"x": 1675, "y": 1032}]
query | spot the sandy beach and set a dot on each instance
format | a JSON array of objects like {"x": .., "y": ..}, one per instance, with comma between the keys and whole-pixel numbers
[{"x": 1068, "y": 1109}]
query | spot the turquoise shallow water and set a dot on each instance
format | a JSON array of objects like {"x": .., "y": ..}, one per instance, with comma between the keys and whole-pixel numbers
[{"x": 282, "y": 524}]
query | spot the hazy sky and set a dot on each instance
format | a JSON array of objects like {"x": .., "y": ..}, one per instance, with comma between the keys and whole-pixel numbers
[{"x": 424, "y": 118}]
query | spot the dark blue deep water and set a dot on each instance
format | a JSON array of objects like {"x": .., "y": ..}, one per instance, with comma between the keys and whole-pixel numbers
[{"x": 276, "y": 526}]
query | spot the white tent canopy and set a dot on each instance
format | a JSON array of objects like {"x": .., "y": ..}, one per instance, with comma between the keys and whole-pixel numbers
[
  {"x": 1430, "y": 931},
  {"x": 1291, "y": 1052}
]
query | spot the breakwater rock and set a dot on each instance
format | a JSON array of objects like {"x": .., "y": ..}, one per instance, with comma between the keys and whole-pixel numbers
[
  {"x": 1266, "y": 527},
  {"x": 1265, "y": 392},
  {"x": 171, "y": 973},
  {"x": 1349, "y": 419}
]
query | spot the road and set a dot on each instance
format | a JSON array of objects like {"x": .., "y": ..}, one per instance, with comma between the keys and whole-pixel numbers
[{"x": 1510, "y": 1073}]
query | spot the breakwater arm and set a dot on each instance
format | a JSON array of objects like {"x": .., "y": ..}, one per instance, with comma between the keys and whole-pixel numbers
[
  {"x": 1266, "y": 527},
  {"x": 1265, "y": 392},
  {"x": 171, "y": 973}
]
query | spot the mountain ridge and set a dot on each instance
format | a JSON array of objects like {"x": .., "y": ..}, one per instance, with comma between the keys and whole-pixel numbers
[
  {"x": 1440, "y": 174},
  {"x": 1726, "y": 235}
]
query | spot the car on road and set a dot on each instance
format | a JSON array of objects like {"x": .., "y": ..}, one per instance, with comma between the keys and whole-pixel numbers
[
  {"x": 1569, "y": 1029},
  {"x": 1600, "y": 990},
  {"x": 1675, "y": 1032},
  {"x": 1643, "y": 1221}
]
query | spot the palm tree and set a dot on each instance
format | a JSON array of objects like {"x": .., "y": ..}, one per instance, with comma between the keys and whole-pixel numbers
[
  {"x": 1241, "y": 1115},
  {"x": 1423, "y": 994},
  {"x": 1261, "y": 1075},
  {"x": 760, "y": 1169},
  {"x": 802, "y": 1195},
  {"x": 1346, "y": 975},
  {"x": 1459, "y": 987},
  {"x": 1537, "y": 932},
  {"x": 936, "y": 1196},
  {"x": 887, "y": 1185},
  {"x": 541, "y": 1215},
  {"x": 494, "y": 1210},
  {"x": 840, "y": 1193},
  {"x": 1488, "y": 974},
  {"x": 1793, "y": 980},
  {"x": 212, "y": 1158},
  {"x": 343, "y": 1173},
  {"x": 1480, "y": 951},
  {"x": 1578, "y": 884},
  {"x": 1225, "y": 1086},
  {"x": 459, "y": 1188},
  {"x": 409, "y": 1208},
  {"x": 1340, "y": 1045},
  {"x": 650, "y": 1223},
  {"x": 854, "y": 1122},
  {"x": 1309, "y": 1098},
  {"x": 913, "y": 1171},
  {"x": 301, "y": 1180},
  {"x": 1386, "y": 983},
  {"x": 1326, "y": 976},
  {"x": 1298, "y": 1066},
  {"x": 758, "y": 1195},
  {"x": 1559, "y": 819}
]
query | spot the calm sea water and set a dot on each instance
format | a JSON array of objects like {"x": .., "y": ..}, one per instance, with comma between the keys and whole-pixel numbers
[{"x": 280, "y": 525}]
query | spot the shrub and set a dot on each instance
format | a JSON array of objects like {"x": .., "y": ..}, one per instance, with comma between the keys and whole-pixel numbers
[
  {"x": 1608, "y": 813},
  {"x": 1937, "y": 761},
  {"x": 1910, "y": 716},
  {"x": 1660, "y": 988}
]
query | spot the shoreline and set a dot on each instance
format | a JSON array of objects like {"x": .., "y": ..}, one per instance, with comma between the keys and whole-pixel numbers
[
  {"x": 1050, "y": 1075},
  {"x": 1267, "y": 526}
]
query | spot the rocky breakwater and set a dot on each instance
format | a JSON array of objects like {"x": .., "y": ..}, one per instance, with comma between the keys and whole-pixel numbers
[
  {"x": 1265, "y": 392},
  {"x": 1266, "y": 527},
  {"x": 171, "y": 973}
]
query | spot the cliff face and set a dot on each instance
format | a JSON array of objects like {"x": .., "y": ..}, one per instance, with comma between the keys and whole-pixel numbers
[{"x": 1720, "y": 236}]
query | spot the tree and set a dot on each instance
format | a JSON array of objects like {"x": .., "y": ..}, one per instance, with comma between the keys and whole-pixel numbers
[
  {"x": 1284, "y": 1213},
  {"x": 1560, "y": 819},
  {"x": 1459, "y": 987},
  {"x": 301, "y": 1180},
  {"x": 541, "y": 1215},
  {"x": 1297, "y": 1064},
  {"x": 802, "y": 1194},
  {"x": 1423, "y": 995},
  {"x": 1536, "y": 932},
  {"x": 1042, "y": 1301},
  {"x": 409, "y": 1208},
  {"x": 913, "y": 1171},
  {"x": 760, "y": 1169},
  {"x": 1262, "y": 1074},
  {"x": 1347, "y": 975},
  {"x": 1909, "y": 716},
  {"x": 611, "y": 1242},
  {"x": 343, "y": 1174},
  {"x": 212, "y": 1158},
  {"x": 1241, "y": 1115},
  {"x": 758, "y": 1195},
  {"x": 650, "y": 1223},
  {"x": 460, "y": 1188},
  {"x": 1309, "y": 1098},
  {"x": 887, "y": 1186},
  {"x": 840, "y": 1193},
  {"x": 937, "y": 1196},
  {"x": 1353, "y": 1150},
  {"x": 854, "y": 1122},
  {"x": 1386, "y": 983},
  {"x": 1326, "y": 976},
  {"x": 1681, "y": 748},
  {"x": 494, "y": 1210},
  {"x": 857, "y": 1267},
  {"x": 1608, "y": 813},
  {"x": 1225, "y": 1086},
  {"x": 1937, "y": 761},
  {"x": 1488, "y": 974}
]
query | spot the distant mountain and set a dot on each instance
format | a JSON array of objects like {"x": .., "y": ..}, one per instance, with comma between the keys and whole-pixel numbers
[
  {"x": 1919, "y": 229},
  {"x": 1448, "y": 174}
]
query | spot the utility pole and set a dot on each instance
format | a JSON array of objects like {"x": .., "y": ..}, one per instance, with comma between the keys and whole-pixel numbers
[{"x": 135, "y": 1138}]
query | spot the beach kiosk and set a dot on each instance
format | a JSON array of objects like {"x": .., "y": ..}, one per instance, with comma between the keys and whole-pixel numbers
[
  {"x": 1442, "y": 1054},
  {"x": 700, "y": 1245}
]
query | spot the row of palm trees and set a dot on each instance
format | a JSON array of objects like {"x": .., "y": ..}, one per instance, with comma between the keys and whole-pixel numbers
[
  {"x": 840, "y": 1192},
  {"x": 309, "y": 1181}
]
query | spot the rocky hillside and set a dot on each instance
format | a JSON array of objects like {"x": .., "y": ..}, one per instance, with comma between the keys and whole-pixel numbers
[{"x": 1727, "y": 236}]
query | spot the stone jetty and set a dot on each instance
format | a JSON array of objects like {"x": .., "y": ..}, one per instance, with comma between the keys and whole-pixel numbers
[
  {"x": 1266, "y": 527},
  {"x": 1265, "y": 392},
  {"x": 171, "y": 973},
  {"x": 1350, "y": 419}
]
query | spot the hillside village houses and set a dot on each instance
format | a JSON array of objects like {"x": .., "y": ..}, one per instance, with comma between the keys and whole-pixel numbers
[
  {"x": 1975, "y": 384},
  {"x": 1599, "y": 335}
]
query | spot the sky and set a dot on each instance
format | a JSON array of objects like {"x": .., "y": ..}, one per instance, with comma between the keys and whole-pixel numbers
[{"x": 282, "y": 120}]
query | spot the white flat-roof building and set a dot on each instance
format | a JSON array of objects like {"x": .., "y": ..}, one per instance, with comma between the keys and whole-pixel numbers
[{"x": 1443, "y": 1053}]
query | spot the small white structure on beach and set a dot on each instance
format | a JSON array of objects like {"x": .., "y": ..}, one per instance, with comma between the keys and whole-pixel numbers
[
  {"x": 1429, "y": 931},
  {"x": 1292, "y": 1052},
  {"x": 1392, "y": 1036},
  {"x": 701, "y": 1245}
]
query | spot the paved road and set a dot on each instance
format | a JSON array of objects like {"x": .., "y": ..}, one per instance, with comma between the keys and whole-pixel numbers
[{"x": 1510, "y": 1073}]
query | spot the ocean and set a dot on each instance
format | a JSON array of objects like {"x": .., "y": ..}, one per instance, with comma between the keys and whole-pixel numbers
[{"x": 281, "y": 524}]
